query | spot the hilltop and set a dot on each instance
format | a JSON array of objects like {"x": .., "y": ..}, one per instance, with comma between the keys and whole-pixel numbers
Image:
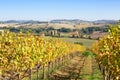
[{"x": 57, "y": 24}]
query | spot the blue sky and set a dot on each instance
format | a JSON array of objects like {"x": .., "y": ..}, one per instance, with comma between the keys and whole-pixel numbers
[{"x": 59, "y": 9}]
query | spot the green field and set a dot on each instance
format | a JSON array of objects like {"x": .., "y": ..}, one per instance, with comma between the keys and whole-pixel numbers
[{"x": 86, "y": 42}]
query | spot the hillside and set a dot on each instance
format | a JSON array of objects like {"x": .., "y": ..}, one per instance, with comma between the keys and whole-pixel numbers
[{"x": 57, "y": 24}]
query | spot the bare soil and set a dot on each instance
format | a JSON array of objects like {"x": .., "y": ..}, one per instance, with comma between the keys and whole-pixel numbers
[{"x": 78, "y": 68}]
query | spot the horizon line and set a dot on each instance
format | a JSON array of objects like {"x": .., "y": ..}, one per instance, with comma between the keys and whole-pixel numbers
[{"x": 54, "y": 19}]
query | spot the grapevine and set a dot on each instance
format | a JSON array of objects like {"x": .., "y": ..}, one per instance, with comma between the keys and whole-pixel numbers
[
  {"x": 19, "y": 52},
  {"x": 107, "y": 51}
]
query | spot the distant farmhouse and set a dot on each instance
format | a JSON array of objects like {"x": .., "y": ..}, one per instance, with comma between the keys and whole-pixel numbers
[{"x": 74, "y": 34}]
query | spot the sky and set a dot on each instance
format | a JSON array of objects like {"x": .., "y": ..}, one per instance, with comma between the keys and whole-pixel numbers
[{"x": 45, "y": 10}]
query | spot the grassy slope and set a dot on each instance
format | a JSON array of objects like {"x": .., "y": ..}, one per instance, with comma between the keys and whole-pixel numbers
[{"x": 86, "y": 42}]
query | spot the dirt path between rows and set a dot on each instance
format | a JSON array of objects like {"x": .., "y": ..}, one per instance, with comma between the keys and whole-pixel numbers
[{"x": 78, "y": 68}]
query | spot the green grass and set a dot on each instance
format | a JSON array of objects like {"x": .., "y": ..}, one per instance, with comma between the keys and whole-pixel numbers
[
  {"x": 91, "y": 70},
  {"x": 86, "y": 42}
]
